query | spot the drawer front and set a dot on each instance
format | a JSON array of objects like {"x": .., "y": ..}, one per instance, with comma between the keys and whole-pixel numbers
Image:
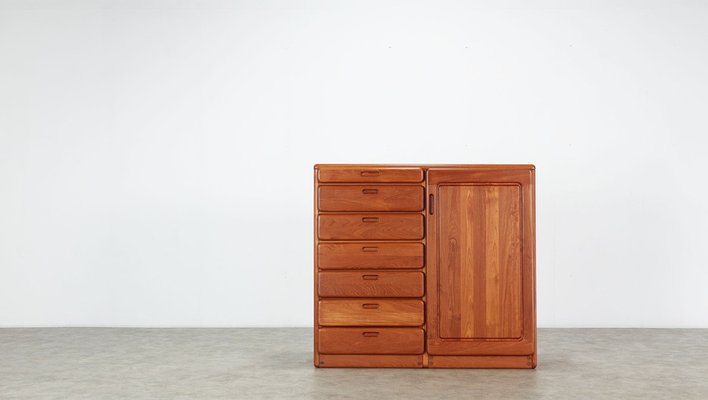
[
  {"x": 370, "y": 255},
  {"x": 371, "y": 341},
  {"x": 370, "y": 226},
  {"x": 370, "y": 174},
  {"x": 371, "y": 198},
  {"x": 370, "y": 284},
  {"x": 371, "y": 312}
]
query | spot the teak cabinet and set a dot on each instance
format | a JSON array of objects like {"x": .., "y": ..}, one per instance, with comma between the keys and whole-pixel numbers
[{"x": 425, "y": 266}]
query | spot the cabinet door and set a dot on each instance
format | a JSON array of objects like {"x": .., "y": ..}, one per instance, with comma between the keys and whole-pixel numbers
[{"x": 481, "y": 290}]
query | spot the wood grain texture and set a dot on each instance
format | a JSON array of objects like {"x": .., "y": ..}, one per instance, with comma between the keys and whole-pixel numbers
[
  {"x": 373, "y": 173},
  {"x": 370, "y": 361},
  {"x": 370, "y": 255},
  {"x": 480, "y": 261},
  {"x": 376, "y": 340},
  {"x": 371, "y": 284},
  {"x": 371, "y": 312},
  {"x": 371, "y": 198},
  {"x": 370, "y": 226}
]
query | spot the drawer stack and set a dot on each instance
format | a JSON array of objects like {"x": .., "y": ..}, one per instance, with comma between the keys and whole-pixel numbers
[{"x": 369, "y": 277}]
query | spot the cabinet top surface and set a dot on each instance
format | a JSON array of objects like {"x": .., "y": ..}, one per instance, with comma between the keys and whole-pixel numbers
[{"x": 426, "y": 166}]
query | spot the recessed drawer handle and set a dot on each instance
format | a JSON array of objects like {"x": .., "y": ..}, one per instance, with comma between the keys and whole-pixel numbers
[
  {"x": 370, "y": 249},
  {"x": 370, "y": 191},
  {"x": 370, "y": 219},
  {"x": 370, "y": 277},
  {"x": 370, "y": 306},
  {"x": 371, "y": 173},
  {"x": 370, "y": 334}
]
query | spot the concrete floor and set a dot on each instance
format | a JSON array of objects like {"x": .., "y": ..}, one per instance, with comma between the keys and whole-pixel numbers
[{"x": 112, "y": 363}]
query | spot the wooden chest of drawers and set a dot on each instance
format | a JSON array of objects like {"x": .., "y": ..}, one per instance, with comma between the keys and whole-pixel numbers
[{"x": 429, "y": 266}]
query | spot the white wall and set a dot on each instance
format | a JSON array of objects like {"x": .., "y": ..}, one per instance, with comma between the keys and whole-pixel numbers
[{"x": 156, "y": 157}]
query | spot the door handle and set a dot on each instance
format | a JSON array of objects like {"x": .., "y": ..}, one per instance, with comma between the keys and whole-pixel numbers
[{"x": 431, "y": 203}]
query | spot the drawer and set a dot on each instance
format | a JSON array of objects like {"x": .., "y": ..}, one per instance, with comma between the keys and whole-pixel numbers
[
  {"x": 370, "y": 255},
  {"x": 371, "y": 198},
  {"x": 370, "y": 312},
  {"x": 369, "y": 174},
  {"x": 370, "y": 226},
  {"x": 371, "y": 341},
  {"x": 370, "y": 284}
]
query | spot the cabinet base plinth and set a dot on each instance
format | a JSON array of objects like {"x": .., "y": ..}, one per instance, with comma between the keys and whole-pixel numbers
[
  {"x": 418, "y": 361},
  {"x": 482, "y": 362},
  {"x": 370, "y": 361}
]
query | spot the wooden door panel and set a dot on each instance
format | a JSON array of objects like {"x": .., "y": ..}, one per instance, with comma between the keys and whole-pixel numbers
[
  {"x": 480, "y": 277},
  {"x": 480, "y": 261}
]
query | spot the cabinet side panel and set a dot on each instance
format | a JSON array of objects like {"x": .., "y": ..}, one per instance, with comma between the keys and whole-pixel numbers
[{"x": 315, "y": 299}]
